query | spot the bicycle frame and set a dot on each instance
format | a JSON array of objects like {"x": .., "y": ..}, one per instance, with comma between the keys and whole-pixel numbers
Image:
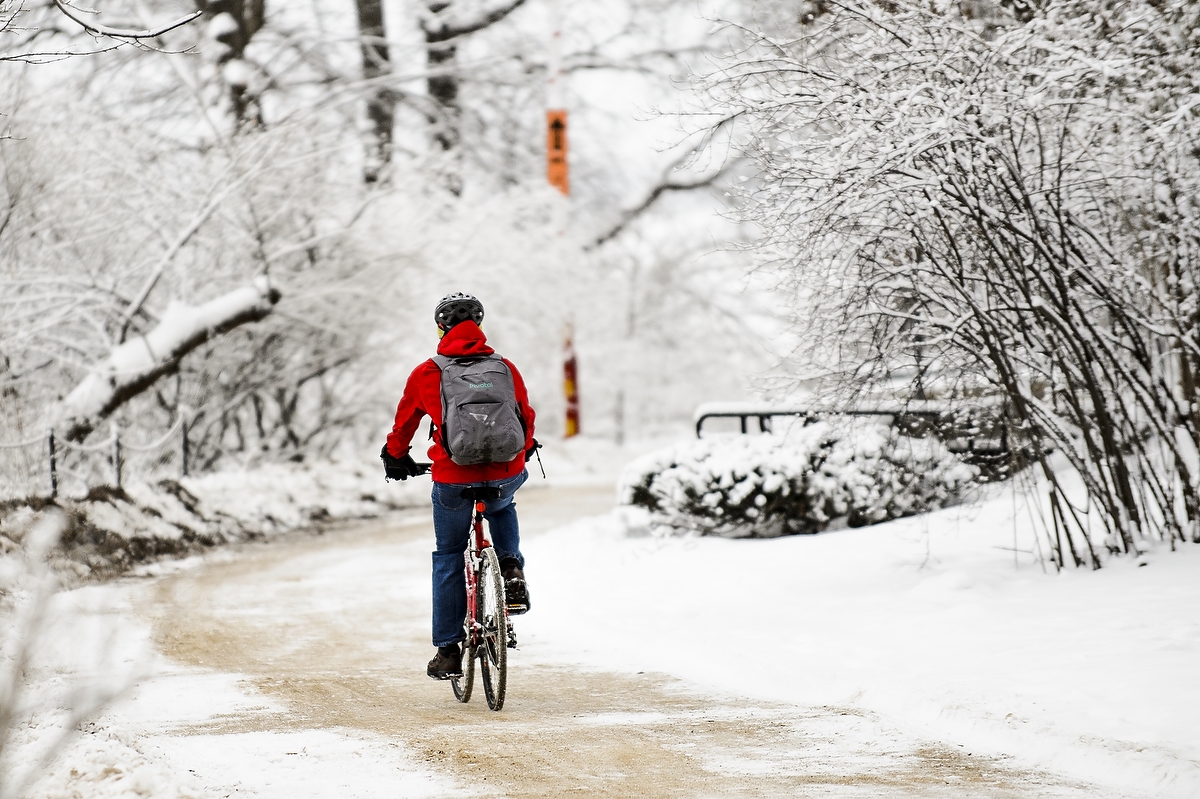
[{"x": 471, "y": 563}]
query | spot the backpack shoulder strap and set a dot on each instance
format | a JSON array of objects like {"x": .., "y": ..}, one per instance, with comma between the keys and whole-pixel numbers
[{"x": 442, "y": 361}]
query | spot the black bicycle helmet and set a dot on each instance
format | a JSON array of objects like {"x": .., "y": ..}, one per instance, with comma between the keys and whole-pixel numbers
[{"x": 455, "y": 308}]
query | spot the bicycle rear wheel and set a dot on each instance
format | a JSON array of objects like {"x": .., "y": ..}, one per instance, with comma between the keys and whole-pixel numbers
[
  {"x": 493, "y": 641},
  {"x": 462, "y": 685}
]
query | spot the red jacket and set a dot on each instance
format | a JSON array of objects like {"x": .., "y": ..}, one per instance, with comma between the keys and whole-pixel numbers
[{"x": 423, "y": 396}]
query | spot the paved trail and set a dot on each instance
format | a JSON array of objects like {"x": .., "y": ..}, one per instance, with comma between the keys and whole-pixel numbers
[{"x": 334, "y": 631}]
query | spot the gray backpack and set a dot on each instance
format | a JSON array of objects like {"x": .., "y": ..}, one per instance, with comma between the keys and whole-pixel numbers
[{"x": 480, "y": 419}]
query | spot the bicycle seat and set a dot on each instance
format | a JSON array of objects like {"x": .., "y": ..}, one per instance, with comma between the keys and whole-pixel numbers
[{"x": 481, "y": 492}]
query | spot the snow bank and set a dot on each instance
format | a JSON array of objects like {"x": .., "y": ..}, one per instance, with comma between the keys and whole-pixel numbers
[
  {"x": 809, "y": 479},
  {"x": 63, "y": 657},
  {"x": 947, "y": 624},
  {"x": 280, "y": 497},
  {"x": 111, "y": 530}
]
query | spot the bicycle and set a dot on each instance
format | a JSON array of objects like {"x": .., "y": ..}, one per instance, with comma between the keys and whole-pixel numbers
[{"x": 488, "y": 633}]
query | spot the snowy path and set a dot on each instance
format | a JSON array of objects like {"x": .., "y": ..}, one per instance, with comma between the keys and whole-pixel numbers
[{"x": 297, "y": 669}]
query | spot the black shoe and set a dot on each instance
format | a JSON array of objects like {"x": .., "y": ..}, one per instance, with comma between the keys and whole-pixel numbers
[
  {"x": 515, "y": 590},
  {"x": 447, "y": 664}
]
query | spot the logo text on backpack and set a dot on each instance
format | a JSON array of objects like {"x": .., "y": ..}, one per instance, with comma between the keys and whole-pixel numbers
[{"x": 480, "y": 385}]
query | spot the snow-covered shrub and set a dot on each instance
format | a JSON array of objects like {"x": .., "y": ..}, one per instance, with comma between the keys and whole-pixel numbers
[{"x": 799, "y": 482}]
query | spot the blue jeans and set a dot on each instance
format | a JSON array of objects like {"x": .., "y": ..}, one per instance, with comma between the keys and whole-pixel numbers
[{"x": 452, "y": 529}]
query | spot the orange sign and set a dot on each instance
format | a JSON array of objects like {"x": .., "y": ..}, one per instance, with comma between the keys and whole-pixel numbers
[{"x": 556, "y": 150}]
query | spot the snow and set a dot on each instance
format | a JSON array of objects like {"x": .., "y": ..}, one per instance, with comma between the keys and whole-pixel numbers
[
  {"x": 276, "y": 497},
  {"x": 109, "y": 763},
  {"x": 136, "y": 748},
  {"x": 588, "y": 460},
  {"x": 133, "y": 752},
  {"x": 815, "y": 407},
  {"x": 926, "y": 621},
  {"x": 946, "y": 625}
]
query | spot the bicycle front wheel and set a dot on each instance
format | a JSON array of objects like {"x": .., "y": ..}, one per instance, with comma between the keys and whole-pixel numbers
[{"x": 493, "y": 641}]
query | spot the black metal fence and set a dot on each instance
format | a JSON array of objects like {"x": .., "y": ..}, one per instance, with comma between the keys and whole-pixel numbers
[
  {"x": 978, "y": 435},
  {"x": 48, "y": 465}
]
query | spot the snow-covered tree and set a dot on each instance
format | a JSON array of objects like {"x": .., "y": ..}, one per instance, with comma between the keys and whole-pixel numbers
[
  {"x": 999, "y": 203},
  {"x": 139, "y": 190}
]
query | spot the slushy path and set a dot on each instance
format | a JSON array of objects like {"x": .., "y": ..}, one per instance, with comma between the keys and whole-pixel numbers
[{"x": 332, "y": 632}]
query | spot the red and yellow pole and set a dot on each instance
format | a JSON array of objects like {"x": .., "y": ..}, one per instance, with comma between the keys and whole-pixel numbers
[
  {"x": 557, "y": 174},
  {"x": 571, "y": 387}
]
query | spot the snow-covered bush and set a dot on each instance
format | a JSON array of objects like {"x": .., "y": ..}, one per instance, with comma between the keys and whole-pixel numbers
[{"x": 800, "y": 482}]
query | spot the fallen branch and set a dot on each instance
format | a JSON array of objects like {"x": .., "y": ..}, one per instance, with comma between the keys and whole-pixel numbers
[{"x": 134, "y": 366}]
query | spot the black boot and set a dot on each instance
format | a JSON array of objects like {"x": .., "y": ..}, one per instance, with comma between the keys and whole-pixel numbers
[
  {"x": 447, "y": 664},
  {"x": 515, "y": 590}
]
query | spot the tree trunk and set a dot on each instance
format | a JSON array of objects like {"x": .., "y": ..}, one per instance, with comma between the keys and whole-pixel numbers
[
  {"x": 233, "y": 23},
  {"x": 381, "y": 100},
  {"x": 442, "y": 86}
]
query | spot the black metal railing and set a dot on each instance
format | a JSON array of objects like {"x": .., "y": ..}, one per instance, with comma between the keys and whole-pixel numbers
[{"x": 962, "y": 432}]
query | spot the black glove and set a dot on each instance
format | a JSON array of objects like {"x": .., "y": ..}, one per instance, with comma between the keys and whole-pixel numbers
[
  {"x": 534, "y": 447},
  {"x": 400, "y": 468}
]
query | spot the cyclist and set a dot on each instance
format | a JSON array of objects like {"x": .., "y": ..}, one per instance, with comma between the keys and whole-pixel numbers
[{"x": 458, "y": 317}]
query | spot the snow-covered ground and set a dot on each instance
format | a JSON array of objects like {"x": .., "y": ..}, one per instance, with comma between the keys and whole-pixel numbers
[
  {"x": 930, "y": 621},
  {"x": 293, "y": 670}
]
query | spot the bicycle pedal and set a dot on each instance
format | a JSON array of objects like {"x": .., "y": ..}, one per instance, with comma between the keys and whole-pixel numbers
[{"x": 512, "y": 638}]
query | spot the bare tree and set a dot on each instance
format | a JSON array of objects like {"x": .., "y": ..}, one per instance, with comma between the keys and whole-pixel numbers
[
  {"x": 156, "y": 260},
  {"x": 675, "y": 178},
  {"x": 140, "y": 207},
  {"x": 442, "y": 31}
]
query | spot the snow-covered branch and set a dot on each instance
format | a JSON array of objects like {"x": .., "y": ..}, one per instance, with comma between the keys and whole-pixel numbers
[
  {"x": 133, "y": 34},
  {"x": 439, "y": 28},
  {"x": 134, "y": 366},
  {"x": 656, "y": 192}
]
